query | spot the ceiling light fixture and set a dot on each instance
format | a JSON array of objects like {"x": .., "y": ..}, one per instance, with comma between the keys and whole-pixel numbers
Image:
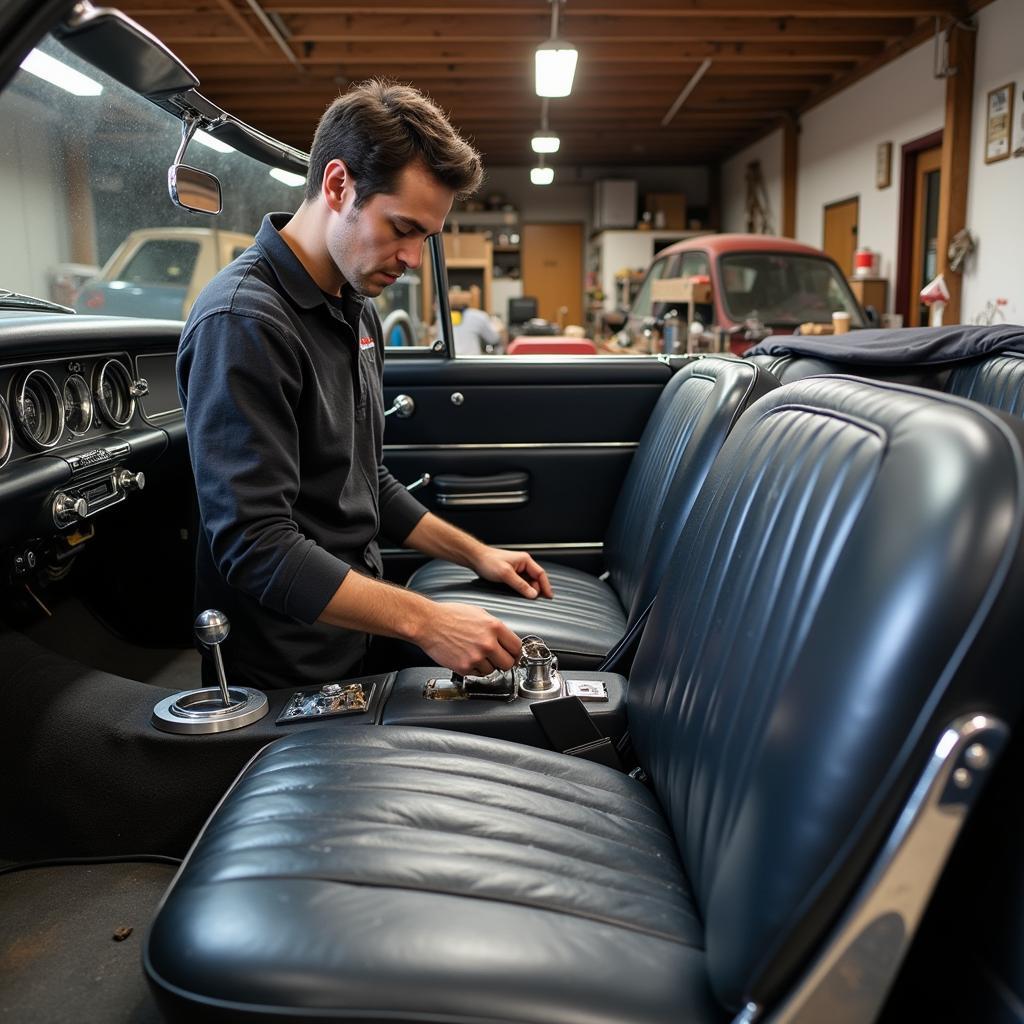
[
  {"x": 289, "y": 178},
  {"x": 541, "y": 175},
  {"x": 57, "y": 73},
  {"x": 555, "y": 61},
  {"x": 544, "y": 141}
]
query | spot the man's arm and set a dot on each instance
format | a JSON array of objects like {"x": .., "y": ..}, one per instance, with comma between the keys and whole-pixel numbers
[
  {"x": 434, "y": 537},
  {"x": 461, "y": 637}
]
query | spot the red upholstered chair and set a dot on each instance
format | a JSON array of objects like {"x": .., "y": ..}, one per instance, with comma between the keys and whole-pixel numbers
[{"x": 557, "y": 345}]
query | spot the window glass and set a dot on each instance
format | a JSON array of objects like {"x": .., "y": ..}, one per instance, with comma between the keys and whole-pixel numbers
[
  {"x": 785, "y": 289},
  {"x": 162, "y": 262},
  {"x": 667, "y": 266},
  {"x": 82, "y": 176}
]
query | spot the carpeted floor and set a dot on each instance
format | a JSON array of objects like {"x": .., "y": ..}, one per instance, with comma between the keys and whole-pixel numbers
[
  {"x": 74, "y": 632},
  {"x": 59, "y": 962}
]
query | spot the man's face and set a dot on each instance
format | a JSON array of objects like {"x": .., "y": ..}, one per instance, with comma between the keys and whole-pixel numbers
[{"x": 372, "y": 246}]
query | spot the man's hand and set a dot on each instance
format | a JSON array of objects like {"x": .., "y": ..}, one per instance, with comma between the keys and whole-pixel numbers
[
  {"x": 516, "y": 569},
  {"x": 468, "y": 640}
]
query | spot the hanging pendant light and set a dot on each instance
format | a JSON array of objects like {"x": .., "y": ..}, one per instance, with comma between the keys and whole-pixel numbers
[{"x": 555, "y": 61}]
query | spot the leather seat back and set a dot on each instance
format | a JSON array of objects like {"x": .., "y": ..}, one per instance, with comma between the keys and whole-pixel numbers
[
  {"x": 790, "y": 367},
  {"x": 847, "y": 584},
  {"x": 996, "y": 381},
  {"x": 691, "y": 420}
]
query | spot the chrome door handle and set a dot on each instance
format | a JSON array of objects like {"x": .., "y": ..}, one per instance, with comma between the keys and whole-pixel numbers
[
  {"x": 416, "y": 484},
  {"x": 403, "y": 406}
]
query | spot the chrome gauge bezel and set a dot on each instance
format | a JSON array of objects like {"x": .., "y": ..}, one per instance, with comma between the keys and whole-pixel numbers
[
  {"x": 6, "y": 433},
  {"x": 82, "y": 401},
  {"x": 121, "y": 379},
  {"x": 39, "y": 379}
]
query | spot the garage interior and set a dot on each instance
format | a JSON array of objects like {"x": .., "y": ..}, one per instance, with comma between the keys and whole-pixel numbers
[{"x": 828, "y": 123}]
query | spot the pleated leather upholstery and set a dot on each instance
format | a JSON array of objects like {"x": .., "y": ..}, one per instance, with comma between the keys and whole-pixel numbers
[
  {"x": 581, "y": 623},
  {"x": 849, "y": 582},
  {"x": 353, "y": 874},
  {"x": 832, "y": 577},
  {"x": 690, "y": 421},
  {"x": 996, "y": 381}
]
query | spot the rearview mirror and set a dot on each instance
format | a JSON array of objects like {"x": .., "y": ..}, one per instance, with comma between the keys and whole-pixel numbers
[{"x": 193, "y": 189}]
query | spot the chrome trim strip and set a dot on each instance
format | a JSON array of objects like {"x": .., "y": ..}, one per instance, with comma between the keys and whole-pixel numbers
[
  {"x": 492, "y": 499},
  {"x": 851, "y": 976},
  {"x": 589, "y": 545},
  {"x": 568, "y": 445}
]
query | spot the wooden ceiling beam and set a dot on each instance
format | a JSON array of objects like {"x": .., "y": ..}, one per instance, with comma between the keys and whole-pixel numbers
[
  {"x": 530, "y": 31},
  {"x": 578, "y": 9},
  {"x": 386, "y": 56},
  {"x": 432, "y": 75}
]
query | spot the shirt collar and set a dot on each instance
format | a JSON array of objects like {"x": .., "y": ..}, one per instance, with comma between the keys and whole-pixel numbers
[{"x": 293, "y": 276}]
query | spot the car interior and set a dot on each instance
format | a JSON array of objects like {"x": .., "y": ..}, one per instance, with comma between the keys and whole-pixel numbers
[{"x": 760, "y": 760}]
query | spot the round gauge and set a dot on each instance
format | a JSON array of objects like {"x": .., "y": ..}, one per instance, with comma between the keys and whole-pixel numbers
[
  {"x": 38, "y": 409},
  {"x": 114, "y": 393},
  {"x": 77, "y": 404},
  {"x": 6, "y": 433}
]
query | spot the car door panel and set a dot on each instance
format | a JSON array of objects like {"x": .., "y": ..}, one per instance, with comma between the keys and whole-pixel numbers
[{"x": 562, "y": 431}]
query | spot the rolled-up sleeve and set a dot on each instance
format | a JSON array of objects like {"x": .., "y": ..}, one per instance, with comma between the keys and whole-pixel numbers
[{"x": 240, "y": 382}]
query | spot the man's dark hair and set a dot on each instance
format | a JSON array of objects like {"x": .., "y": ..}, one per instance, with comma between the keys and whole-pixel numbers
[{"x": 378, "y": 128}]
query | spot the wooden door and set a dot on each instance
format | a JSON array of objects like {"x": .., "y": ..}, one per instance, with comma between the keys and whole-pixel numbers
[
  {"x": 840, "y": 240},
  {"x": 552, "y": 267},
  {"x": 925, "y": 250}
]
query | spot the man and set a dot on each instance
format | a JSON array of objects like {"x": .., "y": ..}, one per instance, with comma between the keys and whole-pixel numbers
[
  {"x": 280, "y": 370},
  {"x": 472, "y": 328}
]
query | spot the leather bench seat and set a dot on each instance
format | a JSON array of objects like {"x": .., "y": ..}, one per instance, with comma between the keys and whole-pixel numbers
[
  {"x": 588, "y": 616},
  {"x": 831, "y": 656},
  {"x": 581, "y": 624},
  {"x": 353, "y": 871}
]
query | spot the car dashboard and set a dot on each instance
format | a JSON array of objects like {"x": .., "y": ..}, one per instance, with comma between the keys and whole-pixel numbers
[{"x": 88, "y": 405}]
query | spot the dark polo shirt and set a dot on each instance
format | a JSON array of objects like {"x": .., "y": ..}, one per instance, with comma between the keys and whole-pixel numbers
[{"x": 281, "y": 386}]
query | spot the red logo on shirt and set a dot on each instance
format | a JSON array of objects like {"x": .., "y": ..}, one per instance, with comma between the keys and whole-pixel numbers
[{"x": 366, "y": 343}]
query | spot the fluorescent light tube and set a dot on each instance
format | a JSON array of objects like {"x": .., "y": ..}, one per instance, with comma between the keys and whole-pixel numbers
[
  {"x": 542, "y": 175},
  {"x": 57, "y": 73},
  {"x": 545, "y": 142},
  {"x": 290, "y": 179},
  {"x": 555, "y": 65}
]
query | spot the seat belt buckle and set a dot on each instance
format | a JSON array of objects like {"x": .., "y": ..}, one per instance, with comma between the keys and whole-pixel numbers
[{"x": 569, "y": 729}]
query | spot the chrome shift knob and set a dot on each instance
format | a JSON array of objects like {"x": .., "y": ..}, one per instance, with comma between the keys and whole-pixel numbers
[{"x": 211, "y": 627}]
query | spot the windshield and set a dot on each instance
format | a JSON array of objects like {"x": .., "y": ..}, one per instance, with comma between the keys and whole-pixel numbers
[
  {"x": 785, "y": 289},
  {"x": 87, "y": 219}
]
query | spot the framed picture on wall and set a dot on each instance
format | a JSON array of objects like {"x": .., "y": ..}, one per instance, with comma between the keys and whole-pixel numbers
[
  {"x": 883, "y": 165},
  {"x": 998, "y": 123}
]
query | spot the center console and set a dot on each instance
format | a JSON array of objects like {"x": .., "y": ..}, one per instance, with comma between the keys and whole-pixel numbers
[{"x": 532, "y": 703}]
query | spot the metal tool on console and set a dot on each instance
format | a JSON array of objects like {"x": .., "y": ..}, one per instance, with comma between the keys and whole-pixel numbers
[{"x": 536, "y": 677}]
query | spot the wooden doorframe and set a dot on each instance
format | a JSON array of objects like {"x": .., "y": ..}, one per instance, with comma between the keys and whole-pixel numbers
[{"x": 905, "y": 241}]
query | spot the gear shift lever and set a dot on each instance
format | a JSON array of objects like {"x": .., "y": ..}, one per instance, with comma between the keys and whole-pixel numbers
[
  {"x": 211, "y": 629},
  {"x": 212, "y": 708}
]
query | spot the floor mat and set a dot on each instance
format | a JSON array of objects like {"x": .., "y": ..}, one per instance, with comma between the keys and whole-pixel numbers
[{"x": 59, "y": 960}]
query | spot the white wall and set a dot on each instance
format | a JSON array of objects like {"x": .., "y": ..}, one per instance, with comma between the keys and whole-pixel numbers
[
  {"x": 837, "y": 144},
  {"x": 734, "y": 183},
  {"x": 35, "y": 230},
  {"x": 995, "y": 198}
]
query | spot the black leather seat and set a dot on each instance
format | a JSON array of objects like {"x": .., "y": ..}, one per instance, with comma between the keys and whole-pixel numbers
[
  {"x": 814, "y": 701},
  {"x": 587, "y": 616},
  {"x": 995, "y": 380}
]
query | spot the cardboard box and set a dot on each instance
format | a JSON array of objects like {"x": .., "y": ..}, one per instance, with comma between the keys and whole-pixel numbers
[
  {"x": 672, "y": 205},
  {"x": 680, "y": 289}
]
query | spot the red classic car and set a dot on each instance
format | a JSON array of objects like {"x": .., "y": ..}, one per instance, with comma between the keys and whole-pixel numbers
[{"x": 759, "y": 285}]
